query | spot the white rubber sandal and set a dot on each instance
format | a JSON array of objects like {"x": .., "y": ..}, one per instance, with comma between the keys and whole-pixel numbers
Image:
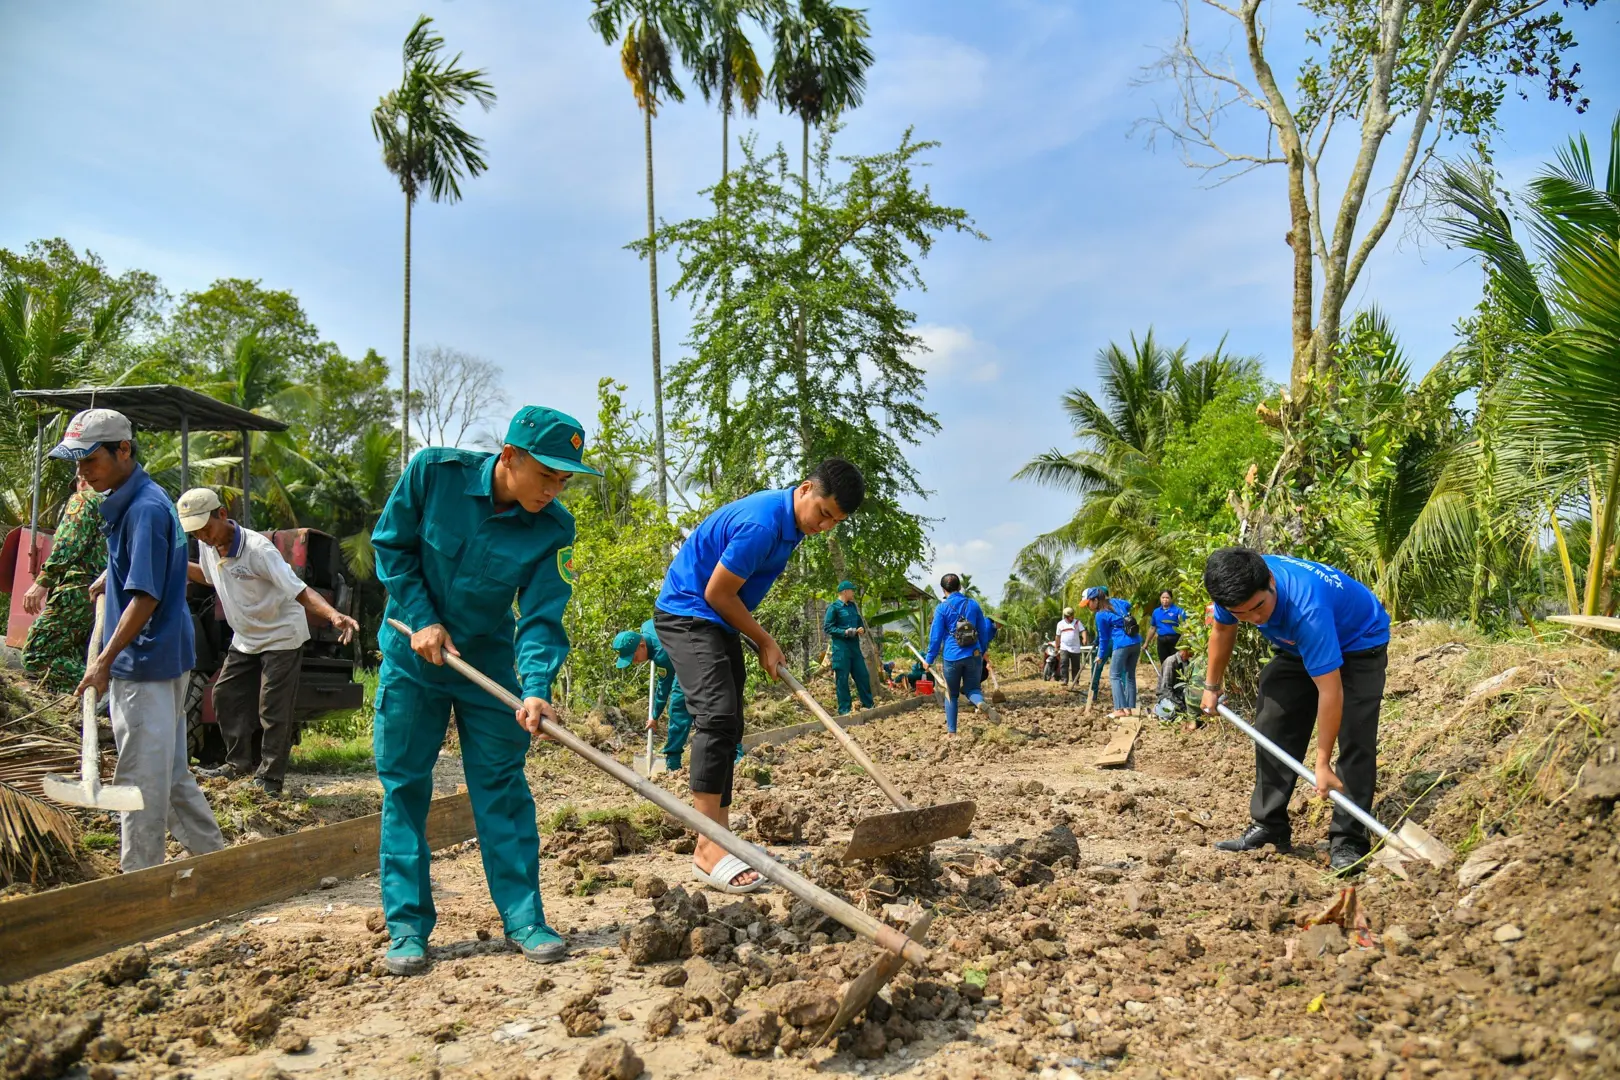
[{"x": 727, "y": 868}]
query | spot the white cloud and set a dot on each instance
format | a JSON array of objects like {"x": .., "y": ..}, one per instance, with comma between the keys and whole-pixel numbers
[{"x": 953, "y": 352}]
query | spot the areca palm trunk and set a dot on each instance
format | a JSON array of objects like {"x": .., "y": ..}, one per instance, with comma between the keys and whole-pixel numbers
[
  {"x": 652, "y": 292},
  {"x": 405, "y": 353},
  {"x": 800, "y": 347}
]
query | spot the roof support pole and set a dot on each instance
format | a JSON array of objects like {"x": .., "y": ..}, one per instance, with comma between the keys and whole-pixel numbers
[
  {"x": 247, "y": 479},
  {"x": 185, "y": 452}
]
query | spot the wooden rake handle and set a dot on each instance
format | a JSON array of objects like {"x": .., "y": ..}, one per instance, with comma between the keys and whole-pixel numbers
[
  {"x": 837, "y": 730},
  {"x": 858, "y": 921}
]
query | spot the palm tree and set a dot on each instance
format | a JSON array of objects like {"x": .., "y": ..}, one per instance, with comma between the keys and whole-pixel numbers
[
  {"x": 818, "y": 68},
  {"x": 424, "y": 146},
  {"x": 1560, "y": 393},
  {"x": 651, "y": 27},
  {"x": 727, "y": 69}
]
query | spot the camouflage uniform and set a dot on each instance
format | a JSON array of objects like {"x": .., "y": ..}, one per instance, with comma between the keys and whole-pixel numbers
[{"x": 53, "y": 653}]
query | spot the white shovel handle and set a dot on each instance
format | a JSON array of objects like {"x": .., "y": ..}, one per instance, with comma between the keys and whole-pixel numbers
[
  {"x": 90, "y": 744},
  {"x": 1338, "y": 797}
]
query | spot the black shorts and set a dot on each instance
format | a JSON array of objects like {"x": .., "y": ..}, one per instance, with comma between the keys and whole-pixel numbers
[{"x": 708, "y": 662}]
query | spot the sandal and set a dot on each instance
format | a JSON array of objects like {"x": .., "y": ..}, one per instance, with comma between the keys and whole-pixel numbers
[{"x": 725, "y": 871}]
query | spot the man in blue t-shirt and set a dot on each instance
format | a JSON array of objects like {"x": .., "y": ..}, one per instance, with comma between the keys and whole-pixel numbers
[
  {"x": 962, "y": 632},
  {"x": 1331, "y": 637},
  {"x": 147, "y": 642},
  {"x": 717, "y": 579},
  {"x": 1167, "y": 619}
]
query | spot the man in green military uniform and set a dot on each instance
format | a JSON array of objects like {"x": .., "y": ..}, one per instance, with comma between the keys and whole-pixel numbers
[
  {"x": 639, "y": 647},
  {"x": 53, "y": 652},
  {"x": 463, "y": 535},
  {"x": 844, "y": 628}
]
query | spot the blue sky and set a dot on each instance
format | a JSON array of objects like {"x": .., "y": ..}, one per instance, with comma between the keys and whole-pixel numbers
[{"x": 202, "y": 140}]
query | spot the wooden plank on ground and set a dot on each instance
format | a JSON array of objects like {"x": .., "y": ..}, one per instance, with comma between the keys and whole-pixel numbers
[
  {"x": 1118, "y": 751},
  {"x": 777, "y": 736},
  {"x": 53, "y": 929},
  {"x": 1589, "y": 622}
]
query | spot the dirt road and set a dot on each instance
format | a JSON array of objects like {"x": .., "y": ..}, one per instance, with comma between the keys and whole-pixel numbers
[{"x": 1085, "y": 926}]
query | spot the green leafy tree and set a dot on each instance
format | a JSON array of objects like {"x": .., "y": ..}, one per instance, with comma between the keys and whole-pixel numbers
[
  {"x": 1424, "y": 73},
  {"x": 425, "y": 147},
  {"x": 1561, "y": 431},
  {"x": 656, "y": 34}
]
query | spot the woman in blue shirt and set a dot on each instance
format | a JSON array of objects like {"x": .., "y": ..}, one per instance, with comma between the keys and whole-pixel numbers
[
  {"x": 1167, "y": 619},
  {"x": 1116, "y": 645}
]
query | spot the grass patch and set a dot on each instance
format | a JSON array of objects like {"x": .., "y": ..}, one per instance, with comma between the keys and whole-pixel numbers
[
  {"x": 322, "y": 753},
  {"x": 853, "y": 769},
  {"x": 1000, "y": 733},
  {"x": 99, "y": 841},
  {"x": 591, "y": 882},
  {"x": 349, "y": 724},
  {"x": 975, "y": 976},
  {"x": 565, "y": 817}
]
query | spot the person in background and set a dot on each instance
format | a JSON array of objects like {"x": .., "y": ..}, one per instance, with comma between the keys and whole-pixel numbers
[
  {"x": 962, "y": 632},
  {"x": 845, "y": 628},
  {"x": 1173, "y": 680},
  {"x": 1119, "y": 645},
  {"x": 1070, "y": 642},
  {"x": 1167, "y": 619},
  {"x": 720, "y": 575},
  {"x": 640, "y": 647},
  {"x": 478, "y": 560},
  {"x": 265, "y": 604},
  {"x": 912, "y": 677},
  {"x": 148, "y": 643},
  {"x": 53, "y": 652},
  {"x": 1330, "y": 636}
]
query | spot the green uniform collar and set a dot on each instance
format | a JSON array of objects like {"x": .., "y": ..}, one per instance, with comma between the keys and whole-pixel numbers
[{"x": 483, "y": 484}]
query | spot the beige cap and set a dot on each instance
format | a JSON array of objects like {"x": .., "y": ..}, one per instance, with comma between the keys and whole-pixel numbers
[
  {"x": 89, "y": 429},
  {"x": 1068, "y": 613},
  {"x": 196, "y": 507}
]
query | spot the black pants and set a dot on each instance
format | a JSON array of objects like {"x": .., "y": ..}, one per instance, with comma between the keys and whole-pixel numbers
[
  {"x": 1166, "y": 646},
  {"x": 708, "y": 662},
  {"x": 1287, "y": 713},
  {"x": 253, "y": 701},
  {"x": 1069, "y": 665}
]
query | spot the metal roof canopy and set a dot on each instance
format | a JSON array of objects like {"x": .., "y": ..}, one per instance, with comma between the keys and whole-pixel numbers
[{"x": 158, "y": 407}]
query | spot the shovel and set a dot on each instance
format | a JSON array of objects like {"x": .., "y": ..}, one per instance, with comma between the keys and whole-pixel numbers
[
  {"x": 87, "y": 790},
  {"x": 1412, "y": 841},
  {"x": 859, "y": 922},
  {"x": 908, "y": 827},
  {"x": 995, "y": 692},
  {"x": 652, "y": 685}
]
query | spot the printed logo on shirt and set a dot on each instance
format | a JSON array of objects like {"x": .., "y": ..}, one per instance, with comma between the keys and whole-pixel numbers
[{"x": 565, "y": 566}]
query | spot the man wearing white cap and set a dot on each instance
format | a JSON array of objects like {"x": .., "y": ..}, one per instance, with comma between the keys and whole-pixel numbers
[
  {"x": 264, "y": 602},
  {"x": 147, "y": 645}
]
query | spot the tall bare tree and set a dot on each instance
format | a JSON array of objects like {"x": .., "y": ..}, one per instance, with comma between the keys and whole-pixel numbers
[
  {"x": 460, "y": 395},
  {"x": 424, "y": 146},
  {"x": 1435, "y": 69}
]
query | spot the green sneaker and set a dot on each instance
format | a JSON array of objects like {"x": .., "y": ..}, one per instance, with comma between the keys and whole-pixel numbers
[
  {"x": 406, "y": 956},
  {"x": 539, "y": 943}
]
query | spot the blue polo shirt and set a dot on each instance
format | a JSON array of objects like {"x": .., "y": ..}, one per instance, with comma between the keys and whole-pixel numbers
[
  {"x": 146, "y": 553},
  {"x": 1167, "y": 620},
  {"x": 1321, "y": 614},
  {"x": 1111, "y": 633},
  {"x": 752, "y": 537}
]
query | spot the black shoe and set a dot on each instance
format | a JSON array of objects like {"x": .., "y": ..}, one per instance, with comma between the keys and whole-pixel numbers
[
  {"x": 271, "y": 788},
  {"x": 1256, "y": 836},
  {"x": 220, "y": 772},
  {"x": 1347, "y": 860}
]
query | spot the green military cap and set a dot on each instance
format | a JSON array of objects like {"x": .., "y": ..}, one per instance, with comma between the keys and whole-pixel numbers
[
  {"x": 842, "y": 585},
  {"x": 625, "y": 643},
  {"x": 553, "y": 438}
]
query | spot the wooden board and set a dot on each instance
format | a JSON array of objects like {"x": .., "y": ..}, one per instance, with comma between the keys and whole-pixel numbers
[
  {"x": 777, "y": 736},
  {"x": 1589, "y": 622},
  {"x": 53, "y": 929},
  {"x": 1118, "y": 751}
]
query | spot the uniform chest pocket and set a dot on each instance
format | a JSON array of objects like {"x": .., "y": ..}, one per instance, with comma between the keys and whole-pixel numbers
[{"x": 445, "y": 542}]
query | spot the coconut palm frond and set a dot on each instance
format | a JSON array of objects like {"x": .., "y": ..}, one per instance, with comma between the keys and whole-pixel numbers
[{"x": 35, "y": 837}]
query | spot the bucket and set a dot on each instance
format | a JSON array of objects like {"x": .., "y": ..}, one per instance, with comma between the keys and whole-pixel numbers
[{"x": 925, "y": 686}]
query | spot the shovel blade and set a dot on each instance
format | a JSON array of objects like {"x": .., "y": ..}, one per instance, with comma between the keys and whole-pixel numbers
[
  {"x": 887, "y": 833},
  {"x": 1425, "y": 844},
  {"x": 77, "y": 792},
  {"x": 866, "y": 985}
]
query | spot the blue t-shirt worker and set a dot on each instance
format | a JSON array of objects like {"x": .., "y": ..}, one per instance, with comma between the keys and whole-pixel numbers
[
  {"x": 1167, "y": 619},
  {"x": 962, "y": 632},
  {"x": 717, "y": 579},
  {"x": 1331, "y": 637},
  {"x": 147, "y": 642}
]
